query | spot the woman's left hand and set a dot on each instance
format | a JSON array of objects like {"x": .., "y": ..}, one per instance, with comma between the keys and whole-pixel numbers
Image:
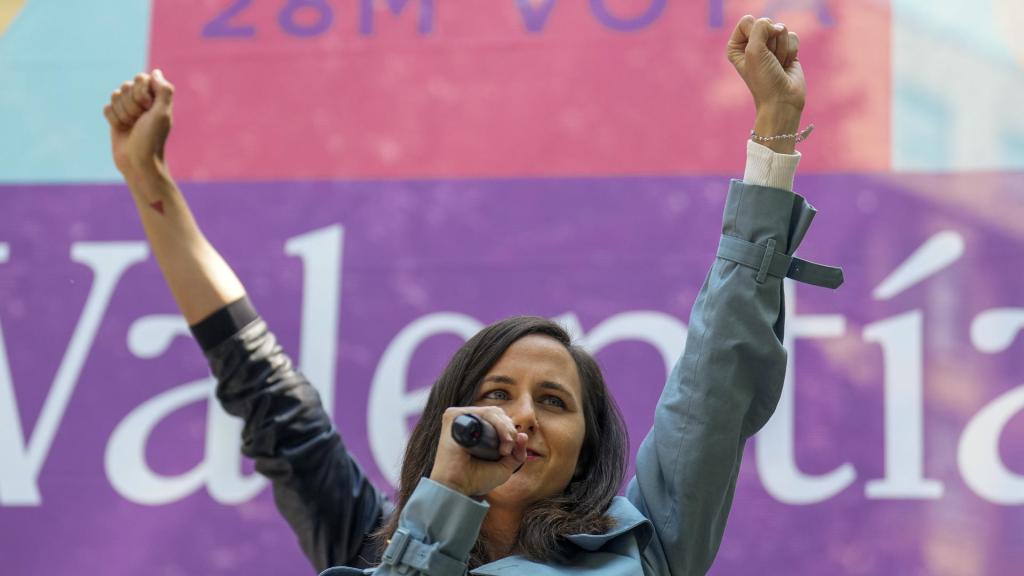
[{"x": 764, "y": 54}]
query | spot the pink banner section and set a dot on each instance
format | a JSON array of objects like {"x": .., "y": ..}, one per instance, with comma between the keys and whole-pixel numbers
[
  {"x": 422, "y": 88},
  {"x": 896, "y": 448}
]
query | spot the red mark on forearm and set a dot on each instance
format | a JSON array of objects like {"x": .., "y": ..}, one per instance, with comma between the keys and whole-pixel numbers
[{"x": 158, "y": 206}]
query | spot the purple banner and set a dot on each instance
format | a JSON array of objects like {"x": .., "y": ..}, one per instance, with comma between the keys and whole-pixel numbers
[{"x": 898, "y": 447}]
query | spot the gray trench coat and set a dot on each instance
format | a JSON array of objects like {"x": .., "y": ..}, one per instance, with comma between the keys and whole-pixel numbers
[{"x": 722, "y": 390}]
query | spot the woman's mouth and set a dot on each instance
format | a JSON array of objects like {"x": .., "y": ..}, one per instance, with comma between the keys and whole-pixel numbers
[{"x": 531, "y": 455}]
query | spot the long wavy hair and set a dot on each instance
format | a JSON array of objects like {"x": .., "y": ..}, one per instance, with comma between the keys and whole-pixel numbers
[{"x": 600, "y": 470}]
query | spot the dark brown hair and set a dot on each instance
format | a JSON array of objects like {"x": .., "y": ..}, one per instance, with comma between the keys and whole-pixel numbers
[{"x": 599, "y": 470}]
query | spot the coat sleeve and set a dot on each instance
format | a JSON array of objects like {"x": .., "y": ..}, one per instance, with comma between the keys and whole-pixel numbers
[
  {"x": 318, "y": 487},
  {"x": 727, "y": 383},
  {"x": 436, "y": 532}
]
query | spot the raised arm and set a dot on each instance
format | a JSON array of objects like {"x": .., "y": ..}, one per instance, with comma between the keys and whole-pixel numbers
[
  {"x": 727, "y": 383},
  {"x": 140, "y": 121},
  {"x": 318, "y": 487}
]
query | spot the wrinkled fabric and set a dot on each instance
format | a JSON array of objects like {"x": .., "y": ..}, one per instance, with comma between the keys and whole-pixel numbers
[{"x": 318, "y": 487}]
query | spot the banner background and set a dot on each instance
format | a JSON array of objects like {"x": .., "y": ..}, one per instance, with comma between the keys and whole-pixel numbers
[{"x": 384, "y": 189}]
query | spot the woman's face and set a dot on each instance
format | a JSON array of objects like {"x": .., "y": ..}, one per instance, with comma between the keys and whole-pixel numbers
[{"x": 537, "y": 384}]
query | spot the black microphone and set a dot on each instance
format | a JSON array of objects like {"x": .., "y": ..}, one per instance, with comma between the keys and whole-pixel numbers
[{"x": 477, "y": 436}]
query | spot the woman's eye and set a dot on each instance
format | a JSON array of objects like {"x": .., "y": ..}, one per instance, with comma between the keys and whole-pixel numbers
[
  {"x": 553, "y": 401},
  {"x": 496, "y": 395}
]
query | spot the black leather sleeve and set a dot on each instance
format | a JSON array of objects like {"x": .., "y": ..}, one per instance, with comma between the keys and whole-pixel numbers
[{"x": 318, "y": 487}]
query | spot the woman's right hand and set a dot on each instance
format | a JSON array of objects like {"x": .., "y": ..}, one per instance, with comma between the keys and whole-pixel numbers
[
  {"x": 139, "y": 114},
  {"x": 455, "y": 468}
]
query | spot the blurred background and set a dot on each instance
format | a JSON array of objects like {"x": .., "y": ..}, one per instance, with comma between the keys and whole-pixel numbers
[{"x": 387, "y": 176}]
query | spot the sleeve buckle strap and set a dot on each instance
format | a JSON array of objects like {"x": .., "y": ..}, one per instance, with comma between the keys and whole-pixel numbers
[
  {"x": 406, "y": 553},
  {"x": 396, "y": 547},
  {"x": 768, "y": 262}
]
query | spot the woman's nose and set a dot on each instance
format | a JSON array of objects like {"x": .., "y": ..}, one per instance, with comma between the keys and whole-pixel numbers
[
  {"x": 528, "y": 427},
  {"x": 523, "y": 416}
]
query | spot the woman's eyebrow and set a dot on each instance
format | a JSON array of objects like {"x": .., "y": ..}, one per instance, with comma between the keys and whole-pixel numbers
[{"x": 548, "y": 384}]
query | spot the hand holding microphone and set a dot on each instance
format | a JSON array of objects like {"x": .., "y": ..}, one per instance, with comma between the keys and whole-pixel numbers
[{"x": 479, "y": 449}]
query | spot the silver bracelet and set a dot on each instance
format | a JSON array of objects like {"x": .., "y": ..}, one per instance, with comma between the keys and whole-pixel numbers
[{"x": 799, "y": 136}]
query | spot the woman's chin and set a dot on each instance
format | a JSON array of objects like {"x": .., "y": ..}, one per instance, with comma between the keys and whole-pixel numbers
[
  {"x": 522, "y": 489},
  {"x": 519, "y": 490}
]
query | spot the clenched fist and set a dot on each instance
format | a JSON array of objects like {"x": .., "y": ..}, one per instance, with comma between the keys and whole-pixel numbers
[
  {"x": 139, "y": 114},
  {"x": 765, "y": 55},
  {"x": 455, "y": 468}
]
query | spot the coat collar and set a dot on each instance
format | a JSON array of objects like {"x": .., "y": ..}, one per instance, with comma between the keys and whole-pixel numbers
[{"x": 627, "y": 520}]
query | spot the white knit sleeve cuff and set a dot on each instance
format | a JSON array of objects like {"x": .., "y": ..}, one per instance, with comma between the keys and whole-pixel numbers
[{"x": 765, "y": 167}]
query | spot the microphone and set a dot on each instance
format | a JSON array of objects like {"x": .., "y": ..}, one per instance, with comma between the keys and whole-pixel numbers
[{"x": 477, "y": 436}]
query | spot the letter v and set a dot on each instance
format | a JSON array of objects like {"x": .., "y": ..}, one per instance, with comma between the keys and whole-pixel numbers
[
  {"x": 535, "y": 13},
  {"x": 21, "y": 464}
]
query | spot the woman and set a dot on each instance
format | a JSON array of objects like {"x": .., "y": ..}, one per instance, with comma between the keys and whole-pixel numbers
[{"x": 549, "y": 505}]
